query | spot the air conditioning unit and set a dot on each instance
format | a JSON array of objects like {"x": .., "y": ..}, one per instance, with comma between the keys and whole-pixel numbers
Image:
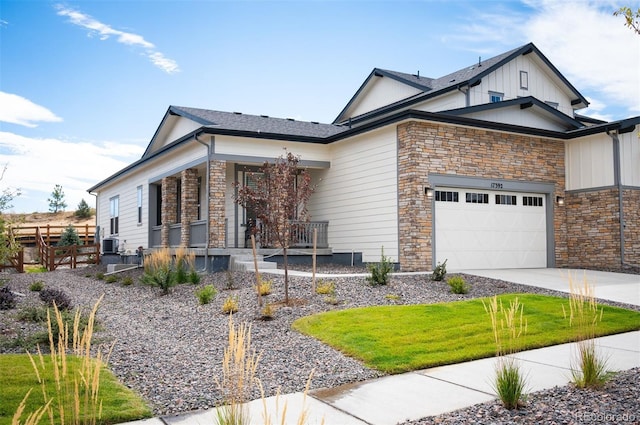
[{"x": 109, "y": 246}]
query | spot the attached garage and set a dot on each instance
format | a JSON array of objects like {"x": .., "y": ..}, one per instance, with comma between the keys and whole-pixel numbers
[{"x": 475, "y": 228}]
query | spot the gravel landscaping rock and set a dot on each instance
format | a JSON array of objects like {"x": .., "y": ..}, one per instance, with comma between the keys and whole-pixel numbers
[{"x": 169, "y": 348}]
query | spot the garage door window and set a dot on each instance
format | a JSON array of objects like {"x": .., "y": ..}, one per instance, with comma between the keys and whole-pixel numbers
[
  {"x": 506, "y": 200},
  {"x": 532, "y": 201},
  {"x": 477, "y": 198},
  {"x": 444, "y": 196}
]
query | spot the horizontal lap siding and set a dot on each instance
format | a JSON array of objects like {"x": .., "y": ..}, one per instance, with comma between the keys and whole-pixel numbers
[
  {"x": 261, "y": 148},
  {"x": 382, "y": 91},
  {"x": 126, "y": 188},
  {"x": 358, "y": 195}
]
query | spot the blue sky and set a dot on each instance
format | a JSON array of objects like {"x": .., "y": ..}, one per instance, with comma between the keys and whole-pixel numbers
[{"x": 84, "y": 84}]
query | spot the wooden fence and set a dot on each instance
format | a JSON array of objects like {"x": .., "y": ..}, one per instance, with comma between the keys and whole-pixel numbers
[
  {"x": 16, "y": 262},
  {"x": 53, "y": 257},
  {"x": 27, "y": 235}
]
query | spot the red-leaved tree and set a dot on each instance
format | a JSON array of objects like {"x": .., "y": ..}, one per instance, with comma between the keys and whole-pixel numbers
[{"x": 279, "y": 199}]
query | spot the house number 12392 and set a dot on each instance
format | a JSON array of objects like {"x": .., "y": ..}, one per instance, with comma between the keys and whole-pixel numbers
[{"x": 496, "y": 185}]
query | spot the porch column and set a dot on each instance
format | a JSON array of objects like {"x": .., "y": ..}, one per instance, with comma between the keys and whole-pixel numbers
[
  {"x": 217, "y": 196},
  {"x": 189, "y": 204},
  {"x": 169, "y": 211}
]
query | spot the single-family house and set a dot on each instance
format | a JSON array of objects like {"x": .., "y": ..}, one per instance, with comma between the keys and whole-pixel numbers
[{"x": 487, "y": 167}]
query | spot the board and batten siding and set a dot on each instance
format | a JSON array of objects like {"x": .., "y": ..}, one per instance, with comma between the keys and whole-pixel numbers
[
  {"x": 630, "y": 158},
  {"x": 380, "y": 91},
  {"x": 506, "y": 79},
  {"x": 589, "y": 162},
  {"x": 358, "y": 195}
]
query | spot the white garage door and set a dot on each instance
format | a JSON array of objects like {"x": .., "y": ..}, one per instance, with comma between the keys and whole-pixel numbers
[{"x": 478, "y": 229}]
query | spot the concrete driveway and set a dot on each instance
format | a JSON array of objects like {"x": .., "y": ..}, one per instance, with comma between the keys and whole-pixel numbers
[{"x": 619, "y": 287}]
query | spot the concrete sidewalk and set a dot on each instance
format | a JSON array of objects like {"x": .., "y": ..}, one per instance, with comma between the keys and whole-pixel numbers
[
  {"x": 414, "y": 395},
  {"x": 409, "y": 396}
]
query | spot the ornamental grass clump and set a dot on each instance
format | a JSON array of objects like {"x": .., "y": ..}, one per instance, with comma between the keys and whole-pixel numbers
[
  {"x": 184, "y": 264},
  {"x": 589, "y": 367},
  {"x": 158, "y": 271},
  {"x": 238, "y": 380},
  {"x": 75, "y": 397},
  {"x": 508, "y": 326}
]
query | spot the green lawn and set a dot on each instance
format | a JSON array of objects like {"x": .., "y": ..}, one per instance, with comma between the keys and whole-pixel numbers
[
  {"x": 397, "y": 339},
  {"x": 120, "y": 404}
]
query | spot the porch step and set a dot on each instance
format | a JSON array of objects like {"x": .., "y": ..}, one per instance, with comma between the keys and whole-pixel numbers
[{"x": 244, "y": 263}]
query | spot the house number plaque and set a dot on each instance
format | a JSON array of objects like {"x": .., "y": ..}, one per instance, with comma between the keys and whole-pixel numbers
[{"x": 496, "y": 185}]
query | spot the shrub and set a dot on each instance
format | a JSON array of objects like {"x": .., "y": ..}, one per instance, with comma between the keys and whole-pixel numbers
[
  {"x": 111, "y": 279},
  {"x": 33, "y": 314},
  {"x": 265, "y": 287},
  {"x": 267, "y": 311},
  {"x": 127, "y": 281},
  {"x": 100, "y": 276},
  {"x": 325, "y": 288},
  {"x": 439, "y": 272},
  {"x": 51, "y": 296},
  {"x": 206, "y": 294},
  {"x": 458, "y": 285},
  {"x": 36, "y": 286},
  {"x": 193, "y": 277},
  {"x": 380, "y": 271},
  {"x": 7, "y": 299},
  {"x": 230, "y": 283},
  {"x": 230, "y": 305}
]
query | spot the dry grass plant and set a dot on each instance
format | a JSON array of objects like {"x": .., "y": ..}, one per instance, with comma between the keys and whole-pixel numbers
[
  {"x": 77, "y": 384},
  {"x": 239, "y": 364},
  {"x": 265, "y": 287},
  {"x": 509, "y": 326},
  {"x": 230, "y": 305},
  {"x": 589, "y": 368}
]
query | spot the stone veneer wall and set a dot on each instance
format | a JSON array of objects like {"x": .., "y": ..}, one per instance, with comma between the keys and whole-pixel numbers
[
  {"x": 425, "y": 148},
  {"x": 169, "y": 212},
  {"x": 189, "y": 204},
  {"x": 593, "y": 228},
  {"x": 217, "y": 186},
  {"x": 631, "y": 205}
]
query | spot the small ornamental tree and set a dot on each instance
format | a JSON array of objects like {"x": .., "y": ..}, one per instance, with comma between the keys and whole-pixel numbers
[
  {"x": 279, "y": 199},
  {"x": 56, "y": 202},
  {"x": 83, "y": 210},
  {"x": 69, "y": 237}
]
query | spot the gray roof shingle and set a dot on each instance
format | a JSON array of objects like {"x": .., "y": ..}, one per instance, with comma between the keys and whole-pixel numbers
[{"x": 234, "y": 121}]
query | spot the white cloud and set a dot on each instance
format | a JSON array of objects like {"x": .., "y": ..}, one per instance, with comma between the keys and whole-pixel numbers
[
  {"x": 16, "y": 109},
  {"x": 105, "y": 31},
  {"x": 591, "y": 47},
  {"x": 36, "y": 165}
]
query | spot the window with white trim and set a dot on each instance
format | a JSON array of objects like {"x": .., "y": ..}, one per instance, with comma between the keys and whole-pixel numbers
[
  {"x": 495, "y": 96},
  {"x": 114, "y": 207},
  {"x": 532, "y": 201},
  {"x": 554, "y": 105}
]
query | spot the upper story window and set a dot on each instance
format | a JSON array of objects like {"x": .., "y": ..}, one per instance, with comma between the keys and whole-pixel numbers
[
  {"x": 495, "y": 96},
  {"x": 524, "y": 80},
  {"x": 114, "y": 212},
  {"x": 552, "y": 104},
  {"x": 139, "y": 189}
]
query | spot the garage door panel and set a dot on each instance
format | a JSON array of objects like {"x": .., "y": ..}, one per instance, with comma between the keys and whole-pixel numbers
[{"x": 490, "y": 235}]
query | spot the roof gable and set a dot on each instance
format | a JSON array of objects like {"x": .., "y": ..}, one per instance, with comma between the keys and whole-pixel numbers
[{"x": 466, "y": 77}]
